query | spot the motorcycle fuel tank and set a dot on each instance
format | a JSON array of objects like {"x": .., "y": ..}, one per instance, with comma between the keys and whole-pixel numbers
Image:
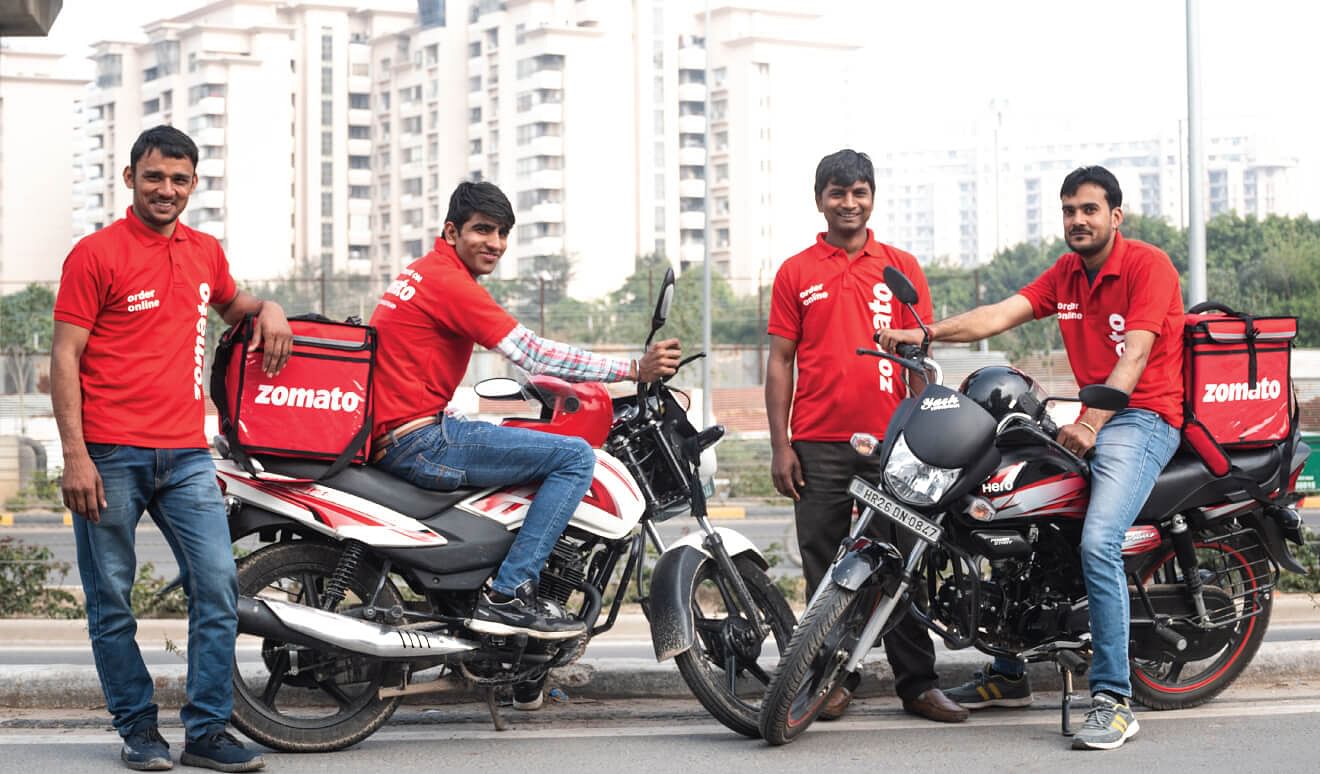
[{"x": 1033, "y": 481}]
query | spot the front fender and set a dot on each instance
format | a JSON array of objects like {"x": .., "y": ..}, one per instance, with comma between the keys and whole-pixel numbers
[
  {"x": 864, "y": 558},
  {"x": 672, "y": 628}
]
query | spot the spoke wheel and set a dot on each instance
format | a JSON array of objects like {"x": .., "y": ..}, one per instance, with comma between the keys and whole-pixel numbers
[
  {"x": 303, "y": 699},
  {"x": 728, "y": 667},
  {"x": 1239, "y": 577}
]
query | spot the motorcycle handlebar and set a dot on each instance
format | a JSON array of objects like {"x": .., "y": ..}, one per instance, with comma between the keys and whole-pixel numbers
[{"x": 915, "y": 365}]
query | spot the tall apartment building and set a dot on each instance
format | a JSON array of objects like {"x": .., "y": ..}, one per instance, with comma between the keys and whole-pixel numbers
[
  {"x": 276, "y": 95},
  {"x": 37, "y": 92},
  {"x": 959, "y": 205}
]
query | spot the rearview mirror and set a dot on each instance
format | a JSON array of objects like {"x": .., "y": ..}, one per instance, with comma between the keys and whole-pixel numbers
[
  {"x": 663, "y": 303},
  {"x": 499, "y": 388},
  {"x": 1103, "y": 397},
  {"x": 900, "y": 285}
]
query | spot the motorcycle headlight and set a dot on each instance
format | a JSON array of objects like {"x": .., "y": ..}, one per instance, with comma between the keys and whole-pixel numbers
[{"x": 913, "y": 481}]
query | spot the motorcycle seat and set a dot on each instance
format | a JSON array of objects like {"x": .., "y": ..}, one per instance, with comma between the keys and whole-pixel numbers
[
  {"x": 1187, "y": 483},
  {"x": 373, "y": 484}
]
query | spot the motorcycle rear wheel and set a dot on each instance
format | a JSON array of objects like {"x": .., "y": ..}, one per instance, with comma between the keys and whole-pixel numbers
[
  {"x": 1242, "y": 572},
  {"x": 727, "y": 647},
  {"x": 330, "y": 702},
  {"x": 812, "y": 667}
]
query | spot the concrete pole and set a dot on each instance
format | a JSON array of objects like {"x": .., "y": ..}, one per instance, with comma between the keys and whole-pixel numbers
[
  {"x": 1195, "y": 168},
  {"x": 706, "y": 404}
]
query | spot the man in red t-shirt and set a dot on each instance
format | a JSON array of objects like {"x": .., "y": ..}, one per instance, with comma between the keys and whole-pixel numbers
[
  {"x": 126, "y": 384},
  {"x": 429, "y": 319},
  {"x": 1120, "y": 312},
  {"x": 828, "y": 300}
]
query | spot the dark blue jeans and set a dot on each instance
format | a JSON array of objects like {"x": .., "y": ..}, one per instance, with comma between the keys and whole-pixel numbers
[
  {"x": 459, "y": 452},
  {"x": 177, "y": 488}
]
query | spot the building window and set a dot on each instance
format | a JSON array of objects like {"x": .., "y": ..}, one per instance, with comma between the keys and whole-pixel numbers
[
  {"x": 412, "y": 186},
  {"x": 327, "y": 112},
  {"x": 359, "y": 133},
  {"x": 327, "y": 143},
  {"x": 327, "y": 173},
  {"x": 362, "y": 101},
  {"x": 327, "y": 48},
  {"x": 327, "y": 234},
  {"x": 327, "y": 204},
  {"x": 359, "y": 192},
  {"x": 359, "y": 162}
]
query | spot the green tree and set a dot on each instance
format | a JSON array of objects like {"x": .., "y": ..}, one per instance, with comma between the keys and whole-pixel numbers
[{"x": 26, "y": 325}]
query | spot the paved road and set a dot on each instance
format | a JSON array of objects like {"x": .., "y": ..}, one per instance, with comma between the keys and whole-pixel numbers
[{"x": 1238, "y": 732}]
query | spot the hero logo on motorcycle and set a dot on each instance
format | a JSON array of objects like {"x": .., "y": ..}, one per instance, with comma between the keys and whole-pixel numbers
[{"x": 305, "y": 397}]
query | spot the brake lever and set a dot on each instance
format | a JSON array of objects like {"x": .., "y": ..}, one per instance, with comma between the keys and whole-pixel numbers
[{"x": 680, "y": 365}]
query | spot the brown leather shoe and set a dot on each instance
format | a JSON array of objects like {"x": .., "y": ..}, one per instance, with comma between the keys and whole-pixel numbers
[
  {"x": 836, "y": 704},
  {"x": 932, "y": 704}
]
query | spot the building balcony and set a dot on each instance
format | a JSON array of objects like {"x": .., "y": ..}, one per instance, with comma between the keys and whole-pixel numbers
[
  {"x": 543, "y": 146},
  {"x": 359, "y": 84},
  {"x": 211, "y": 136},
  {"x": 211, "y": 168},
  {"x": 360, "y": 237},
  {"x": 692, "y": 92},
  {"x": 476, "y": 161},
  {"x": 547, "y": 178},
  {"x": 94, "y": 156},
  {"x": 215, "y": 228},
  {"x": 95, "y": 126},
  {"x": 543, "y": 79},
  {"x": 692, "y": 124},
  {"x": 546, "y": 112},
  {"x": 692, "y": 252},
  {"x": 692, "y": 189},
  {"x": 358, "y": 146},
  {"x": 692, "y": 157},
  {"x": 476, "y": 98},
  {"x": 210, "y": 106},
  {"x": 359, "y": 117},
  {"x": 359, "y": 177},
  {"x": 692, "y": 220},
  {"x": 213, "y": 199},
  {"x": 691, "y": 58},
  {"x": 547, "y": 212},
  {"x": 359, "y": 206},
  {"x": 545, "y": 246}
]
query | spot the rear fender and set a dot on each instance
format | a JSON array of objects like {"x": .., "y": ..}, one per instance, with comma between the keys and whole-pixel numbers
[{"x": 675, "y": 574}]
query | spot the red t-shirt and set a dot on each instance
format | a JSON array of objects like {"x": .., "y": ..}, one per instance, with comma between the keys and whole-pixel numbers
[
  {"x": 1137, "y": 288},
  {"x": 143, "y": 297},
  {"x": 428, "y": 320},
  {"x": 831, "y": 306}
]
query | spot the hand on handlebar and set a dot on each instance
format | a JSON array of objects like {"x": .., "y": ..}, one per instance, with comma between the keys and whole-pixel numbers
[
  {"x": 661, "y": 360},
  {"x": 1077, "y": 439},
  {"x": 891, "y": 339}
]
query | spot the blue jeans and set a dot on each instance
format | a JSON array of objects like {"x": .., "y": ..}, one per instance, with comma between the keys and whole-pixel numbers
[
  {"x": 177, "y": 488},
  {"x": 1131, "y": 450},
  {"x": 459, "y": 452}
]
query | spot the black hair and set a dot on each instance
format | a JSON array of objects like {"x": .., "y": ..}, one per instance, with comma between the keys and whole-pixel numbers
[
  {"x": 1096, "y": 175},
  {"x": 844, "y": 167},
  {"x": 171, "y": 143},
  {"x": 470, "y": 198}
]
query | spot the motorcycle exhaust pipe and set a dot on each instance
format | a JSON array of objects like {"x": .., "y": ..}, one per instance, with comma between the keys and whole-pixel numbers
[{"x": 313, "y": 628}]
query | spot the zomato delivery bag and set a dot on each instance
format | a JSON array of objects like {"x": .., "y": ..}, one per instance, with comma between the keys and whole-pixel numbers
[
  {"x": 1237, "y": 377},
  {"x": 317, "y": 407}
]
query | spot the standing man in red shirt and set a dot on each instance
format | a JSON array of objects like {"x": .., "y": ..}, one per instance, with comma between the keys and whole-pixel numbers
[
  {"x": 1120, "y": 311},
  {"x": 828, "y": 300},
  {"x": 429, "y": 319},
  {"x": 127, "y": 366}
]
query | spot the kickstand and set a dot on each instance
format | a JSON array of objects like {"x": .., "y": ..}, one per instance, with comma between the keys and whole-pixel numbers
[
  {"x": 1066, "y": 708},
  {"x": 489, "y": 695}
]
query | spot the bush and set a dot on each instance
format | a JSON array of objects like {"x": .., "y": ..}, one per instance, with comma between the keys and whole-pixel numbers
[
  {"x": 746, "y": 465},
  {"x": 155, "y": 597},
  {"x": 43, "y": 490},
  {"x": 27, "y": 574}
]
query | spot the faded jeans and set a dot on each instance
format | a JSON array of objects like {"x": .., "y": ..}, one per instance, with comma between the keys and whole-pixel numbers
[
  {"x": 459, "y": 452},
  {"x": 177, "y": 487},
  {"x": 1130, "y": 452}
]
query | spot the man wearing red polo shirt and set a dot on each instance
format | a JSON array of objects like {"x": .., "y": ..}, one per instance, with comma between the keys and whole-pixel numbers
[
  {"x": 127, "y": 365},
  {"x": 429, "y": 319},
  {"x": 1120, "y": 312},
  {"x": 828, "y": 300}
]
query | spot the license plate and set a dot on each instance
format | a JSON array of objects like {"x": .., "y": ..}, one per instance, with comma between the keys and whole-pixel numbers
[{"x": 926, "y": 530}]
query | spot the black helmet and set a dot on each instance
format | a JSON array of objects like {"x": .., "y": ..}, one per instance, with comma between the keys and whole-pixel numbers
[{"x": 997, "y": 389}]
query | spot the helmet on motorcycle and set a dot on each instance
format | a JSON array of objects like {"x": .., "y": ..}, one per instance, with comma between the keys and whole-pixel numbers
[{"x": 997, "y": 389}]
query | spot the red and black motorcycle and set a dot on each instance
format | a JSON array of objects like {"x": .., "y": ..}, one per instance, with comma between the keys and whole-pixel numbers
[
  {"x": 997, "y": 506},
  {"x": 364, "y": 585}
]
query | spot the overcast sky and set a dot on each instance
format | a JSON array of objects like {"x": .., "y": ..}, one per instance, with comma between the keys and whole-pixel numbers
[{"x": 1108, "y": 69}]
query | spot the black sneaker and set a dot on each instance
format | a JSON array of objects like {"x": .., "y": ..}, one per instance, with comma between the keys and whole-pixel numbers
[
  {"x": 521, "y": 615},
  {"x": 219, "y": 750},
  {"x": 146, "y": 750},
  {"x": 529, "y": 696},
  {"x": 988, "y": 688}
]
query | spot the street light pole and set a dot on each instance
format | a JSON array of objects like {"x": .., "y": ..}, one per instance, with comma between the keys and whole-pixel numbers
[
  {"x": 1196, "y": 285},
  {"x": 706, "y": 404}
]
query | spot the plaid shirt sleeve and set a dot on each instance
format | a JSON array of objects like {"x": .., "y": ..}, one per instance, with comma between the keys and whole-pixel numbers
[{"x": 543, "y": 356}]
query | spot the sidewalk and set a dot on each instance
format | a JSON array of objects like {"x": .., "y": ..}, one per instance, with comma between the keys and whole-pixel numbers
[{"x": 61, "y": 686}]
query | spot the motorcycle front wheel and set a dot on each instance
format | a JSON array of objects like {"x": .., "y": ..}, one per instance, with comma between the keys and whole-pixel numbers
[
  {"x": 1241, "y": 571},
  {"x": 725, "y": 667},
  {"x": 813, "y": 666},
  {"x": 298, "y": 699}
]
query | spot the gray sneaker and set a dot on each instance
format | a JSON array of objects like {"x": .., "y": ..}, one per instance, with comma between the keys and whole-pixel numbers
[
  {"x": 988, "y": 688},
  {"x": 1108, "y": 725}
]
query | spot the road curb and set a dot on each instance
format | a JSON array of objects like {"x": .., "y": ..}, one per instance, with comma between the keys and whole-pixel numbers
[
  {"x": 34, "y": 518},
  {"x": 77, "y": 687}
]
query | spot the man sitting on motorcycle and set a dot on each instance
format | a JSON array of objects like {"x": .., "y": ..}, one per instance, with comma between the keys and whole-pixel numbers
[
  {"x": 428, "y": 320},
  {"x": 1120, "y": 312}
]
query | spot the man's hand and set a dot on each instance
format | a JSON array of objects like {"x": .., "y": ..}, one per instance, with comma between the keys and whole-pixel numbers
[
  {"x": 660, "y": 360},
  {"x": 272, "y": 328},
  {"x": 890, "y": 338},
  {"x": 1077, "y": 439},
  {"x": 81, "y": 487},
  {"x": 786, "y": 471}
]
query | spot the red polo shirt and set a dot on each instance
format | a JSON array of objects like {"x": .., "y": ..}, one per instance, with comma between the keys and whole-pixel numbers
[
  {"x": 830, "y": 306},
  {"x": 1137, "y": 289},
  {"x": 428, "y": 320},
  {"x": 143, "y": 297}
]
